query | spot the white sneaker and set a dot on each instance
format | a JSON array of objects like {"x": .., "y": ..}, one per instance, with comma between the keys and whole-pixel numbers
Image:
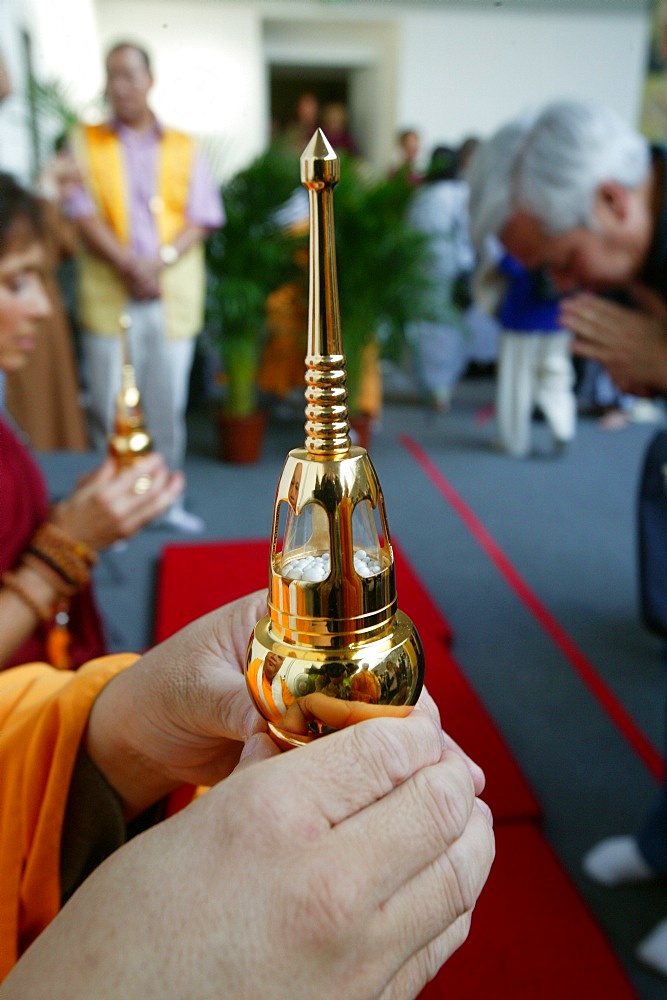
[
  {"x": 617, "y": 861},
  {"x": 652, "y": 950},
  {"x": 183, "y": 520}
]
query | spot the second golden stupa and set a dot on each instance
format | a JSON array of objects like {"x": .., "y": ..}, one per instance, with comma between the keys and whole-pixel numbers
[{"x": 129, "y": 439}]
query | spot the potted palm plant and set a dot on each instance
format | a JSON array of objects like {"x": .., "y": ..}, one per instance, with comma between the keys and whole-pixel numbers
[
  {"x": 383, "y": 275},
  {"x": 383, "y": 280},
  {"x": 250, "y": 257}
]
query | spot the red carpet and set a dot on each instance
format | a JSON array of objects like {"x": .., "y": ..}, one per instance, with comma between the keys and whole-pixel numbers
[{"x": 532, "y": 936}]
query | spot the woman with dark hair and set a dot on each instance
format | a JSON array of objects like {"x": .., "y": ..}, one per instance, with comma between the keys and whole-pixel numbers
[
  {"x": 43, "y": 396},
  {"x": 47, "y": 611}
]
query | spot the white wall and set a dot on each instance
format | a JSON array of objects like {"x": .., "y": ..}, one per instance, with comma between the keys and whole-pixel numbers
[
  {"x": 65, "y": 46},
  {"x": 449, "y": 71},
  {"x": 15, "y": 152},
  {"x": 469, "y": 70}
]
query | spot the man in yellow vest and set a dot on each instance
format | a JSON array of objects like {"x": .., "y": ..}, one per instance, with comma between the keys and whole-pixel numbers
[{"x": 146, "y": 204}]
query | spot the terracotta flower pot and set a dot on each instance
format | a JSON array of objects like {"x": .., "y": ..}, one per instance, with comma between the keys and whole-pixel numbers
[
  {"x": 240, "y": 438},
  {"x": 362, "y": 425}
]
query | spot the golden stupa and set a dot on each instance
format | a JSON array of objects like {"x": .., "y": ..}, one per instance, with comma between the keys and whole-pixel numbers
[
  {"x": 129, "y": 439},
  {"x": 333, "y": 648}
]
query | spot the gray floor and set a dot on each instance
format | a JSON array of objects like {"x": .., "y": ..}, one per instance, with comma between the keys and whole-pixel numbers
[{"x": 567, "y": 525}]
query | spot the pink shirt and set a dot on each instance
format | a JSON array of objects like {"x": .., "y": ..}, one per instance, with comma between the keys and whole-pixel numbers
[{"x": 140, "y": 151}]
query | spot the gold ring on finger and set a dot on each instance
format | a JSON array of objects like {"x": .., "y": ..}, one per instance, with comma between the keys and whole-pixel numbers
[{"x": 142, "y": 485}]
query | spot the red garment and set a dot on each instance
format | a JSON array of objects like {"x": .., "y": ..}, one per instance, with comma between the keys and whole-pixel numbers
[{"x": 24, "y": 505}]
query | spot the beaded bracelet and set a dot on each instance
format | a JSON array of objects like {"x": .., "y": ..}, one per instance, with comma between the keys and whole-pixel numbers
[
  {"x": 50, "y": 535},
  {"x": 10, "y": 580},
  {"x": 49, "y": 573},
  {"x": 70, "y": 559}
]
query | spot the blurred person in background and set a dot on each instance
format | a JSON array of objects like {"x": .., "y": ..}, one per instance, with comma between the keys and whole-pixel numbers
[
  {"x": 440, "y": 210},
  {"x": 143, "y": 211},
  {"x": 575, "y": 189},
  {"x": 48, "y": 551}
]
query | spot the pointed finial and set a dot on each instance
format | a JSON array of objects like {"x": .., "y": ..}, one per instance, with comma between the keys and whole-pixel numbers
[{"x": 319, "y": 163}]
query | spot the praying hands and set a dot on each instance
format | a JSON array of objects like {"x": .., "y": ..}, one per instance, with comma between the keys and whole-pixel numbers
[{"x": 631, "y": 343}]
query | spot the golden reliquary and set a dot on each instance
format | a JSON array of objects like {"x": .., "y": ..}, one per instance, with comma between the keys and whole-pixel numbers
[
  {"x": 333, "y": 649},
  {"x": 129, "y": 439}
]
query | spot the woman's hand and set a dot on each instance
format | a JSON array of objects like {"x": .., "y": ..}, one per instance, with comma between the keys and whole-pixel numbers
[{"x": 111, "y": 504}]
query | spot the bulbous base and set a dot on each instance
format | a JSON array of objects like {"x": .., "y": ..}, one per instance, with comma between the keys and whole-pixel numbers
[
  {"x": 307, "y": 691},
  {"x": 129, "y": 445}
]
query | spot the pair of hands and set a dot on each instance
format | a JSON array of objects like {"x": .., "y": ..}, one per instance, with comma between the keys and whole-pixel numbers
[
  {"x": 104, "y": 507},
  {"x": 141, "y": 276},
  {"x": 631, "y": 343},
  {"x": 353, "y": 862}
]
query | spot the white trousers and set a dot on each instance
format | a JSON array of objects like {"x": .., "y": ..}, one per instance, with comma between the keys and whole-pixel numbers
[
  {"x": 162, "y": 370},
  {"x": 534, "y": 369},
  {"x": 439, "y": 356}
]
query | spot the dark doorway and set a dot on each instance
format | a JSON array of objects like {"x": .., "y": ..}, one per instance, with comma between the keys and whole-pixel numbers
[{"x": 287, "y": 83}]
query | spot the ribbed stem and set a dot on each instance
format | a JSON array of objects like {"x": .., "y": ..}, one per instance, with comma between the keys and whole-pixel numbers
[
  {"x": 327, "y": 421},
  {"x": 129, "y": 391}
]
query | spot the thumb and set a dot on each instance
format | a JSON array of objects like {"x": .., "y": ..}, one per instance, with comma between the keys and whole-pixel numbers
[
  {"x": 240, "y": 719},
  {"x": 259, "y": 747}
]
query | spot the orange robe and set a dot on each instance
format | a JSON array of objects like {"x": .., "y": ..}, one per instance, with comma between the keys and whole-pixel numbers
[
  {"x": 43, "y": 716},
  {"x": 261, "y": 689}
]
